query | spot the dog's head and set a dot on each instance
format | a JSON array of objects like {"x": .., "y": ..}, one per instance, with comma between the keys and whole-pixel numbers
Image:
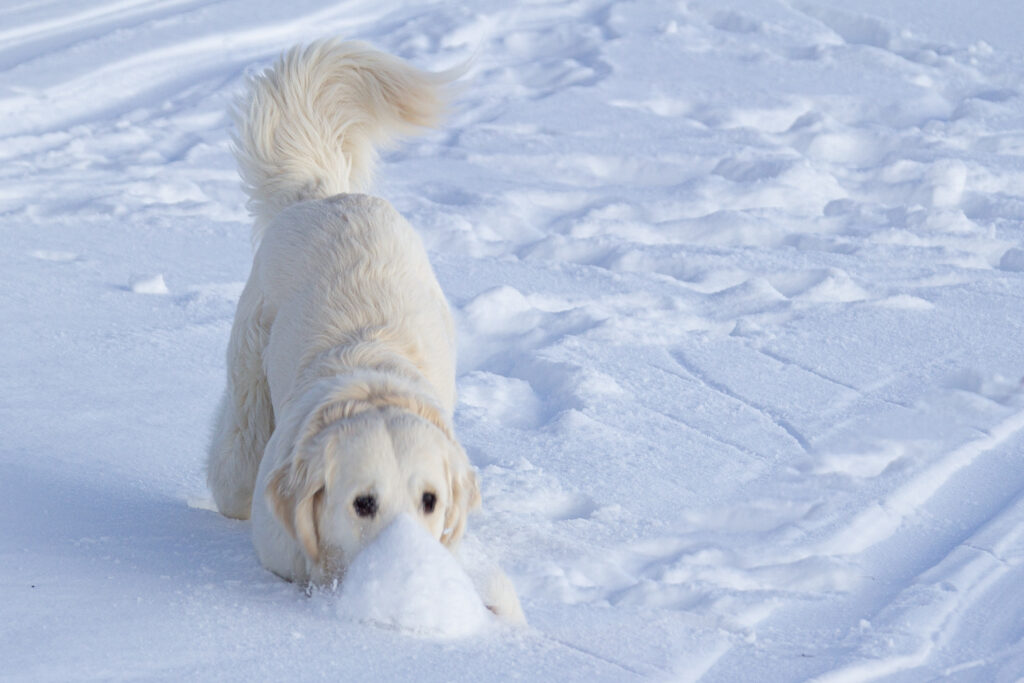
[{"x": 357, "y": 469}]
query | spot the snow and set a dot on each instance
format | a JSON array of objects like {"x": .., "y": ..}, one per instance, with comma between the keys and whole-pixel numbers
[
  {"x": 738, "y": 287},
  {"x": 405, "y": 579},
  {"x": 153, "y": 284}
]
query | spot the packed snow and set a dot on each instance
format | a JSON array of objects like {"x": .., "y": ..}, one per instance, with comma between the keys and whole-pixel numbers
[
  {"x": 739, "y": 287},
  {"x": 406, "y": 580}
]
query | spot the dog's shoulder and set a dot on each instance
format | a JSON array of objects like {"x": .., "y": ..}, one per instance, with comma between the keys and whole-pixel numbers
[
  {"x": 343, "y": 221},
  {"x": 364, "y": 208}
]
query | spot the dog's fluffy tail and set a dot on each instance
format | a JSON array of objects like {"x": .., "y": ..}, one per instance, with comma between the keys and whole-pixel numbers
[{"x": 309, "y": 125}]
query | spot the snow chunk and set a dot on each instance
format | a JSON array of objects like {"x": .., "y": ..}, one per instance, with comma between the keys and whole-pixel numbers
[
  {"x": 405, "y": 579},
  {"x": 149, "y": 285}
]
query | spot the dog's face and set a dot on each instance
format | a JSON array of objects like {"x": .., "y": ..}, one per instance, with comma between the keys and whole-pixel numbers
[{"x": 351, "y": 479}]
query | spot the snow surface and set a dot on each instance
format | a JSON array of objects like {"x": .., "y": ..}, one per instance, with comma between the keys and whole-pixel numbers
[{"x": 739, "y": 287}]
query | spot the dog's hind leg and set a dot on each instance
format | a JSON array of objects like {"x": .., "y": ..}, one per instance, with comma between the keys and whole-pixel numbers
[{"x": 245, "y": 419}]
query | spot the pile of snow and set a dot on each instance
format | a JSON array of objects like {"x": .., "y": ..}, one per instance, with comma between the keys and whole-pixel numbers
[
  {"x": 405, "y": 579},
  {"x": 149, "y": 284}
]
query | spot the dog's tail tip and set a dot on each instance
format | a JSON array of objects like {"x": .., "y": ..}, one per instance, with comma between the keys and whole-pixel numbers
[{"x": 309, "y": 126}]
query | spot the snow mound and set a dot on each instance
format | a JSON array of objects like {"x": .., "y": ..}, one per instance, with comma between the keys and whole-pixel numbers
[
  {"x": 405, "y": 579},
  {"x": 153, "y": 284}
]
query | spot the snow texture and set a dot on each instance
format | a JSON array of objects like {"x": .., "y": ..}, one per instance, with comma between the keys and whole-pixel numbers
[{"x": 739, "y": 293}]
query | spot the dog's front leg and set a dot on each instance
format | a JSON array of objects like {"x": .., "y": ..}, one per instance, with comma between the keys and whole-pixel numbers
[{"x": 245, "y": 419}]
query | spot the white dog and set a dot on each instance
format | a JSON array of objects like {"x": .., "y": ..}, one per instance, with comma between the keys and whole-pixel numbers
[{"x": 341, "y": 362}]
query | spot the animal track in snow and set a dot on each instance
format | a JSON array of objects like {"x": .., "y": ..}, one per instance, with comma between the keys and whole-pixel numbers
[{"x": 506, "y": 400}]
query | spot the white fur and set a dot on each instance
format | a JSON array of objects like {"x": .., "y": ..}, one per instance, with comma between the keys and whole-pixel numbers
[{"x": 341, "y": 361}]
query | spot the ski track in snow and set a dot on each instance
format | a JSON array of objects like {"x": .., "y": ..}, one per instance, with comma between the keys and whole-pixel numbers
[{"x": 737, "y": 286}]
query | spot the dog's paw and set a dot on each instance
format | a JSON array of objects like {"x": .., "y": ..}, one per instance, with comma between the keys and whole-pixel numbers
[{"x": 500, "y": 597}]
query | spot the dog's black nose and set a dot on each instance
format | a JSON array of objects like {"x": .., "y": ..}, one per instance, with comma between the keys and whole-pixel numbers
[{"x": 366, "y": 506}]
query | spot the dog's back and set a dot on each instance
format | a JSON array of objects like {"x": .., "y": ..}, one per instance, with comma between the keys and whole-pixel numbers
[
  {"x": 308, "y": 129},
  {"x": 345, "y": 270}
]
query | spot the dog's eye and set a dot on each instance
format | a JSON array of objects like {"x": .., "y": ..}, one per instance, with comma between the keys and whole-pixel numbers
[
  {"x": 429, "y": 501},
  {"x": 366, "y": 506}
]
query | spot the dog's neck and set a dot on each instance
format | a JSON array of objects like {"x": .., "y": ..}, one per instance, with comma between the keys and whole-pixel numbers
[
  {"x": 365, "y": 370},
  {"x": 367, "y": 349}
]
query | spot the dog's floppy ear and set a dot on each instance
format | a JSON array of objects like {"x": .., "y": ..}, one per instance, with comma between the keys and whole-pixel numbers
[
  {"x": 465, "y": 497},
  {"x": 295, "y": 493}
]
